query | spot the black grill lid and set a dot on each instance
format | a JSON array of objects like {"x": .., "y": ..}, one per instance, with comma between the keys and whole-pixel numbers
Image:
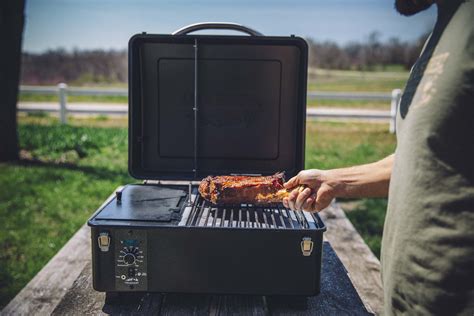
[{"x": 250, "y": 96}]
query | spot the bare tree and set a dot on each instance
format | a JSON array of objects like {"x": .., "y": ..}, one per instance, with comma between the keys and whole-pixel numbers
[
  {"x": 75, "y": 67},
  {"x": 365, "y": 55},
  {"x": 11, "y": 30}
]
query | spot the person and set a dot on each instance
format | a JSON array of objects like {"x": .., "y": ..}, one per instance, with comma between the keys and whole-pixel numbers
[{"x": 427, "y": 251}]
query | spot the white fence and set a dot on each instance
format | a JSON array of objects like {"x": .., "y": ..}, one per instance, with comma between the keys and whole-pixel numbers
[{"x": 62, "y": 90}]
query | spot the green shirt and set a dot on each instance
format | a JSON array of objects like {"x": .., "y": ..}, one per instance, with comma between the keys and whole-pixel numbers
[{"x": 428, "y": 242}]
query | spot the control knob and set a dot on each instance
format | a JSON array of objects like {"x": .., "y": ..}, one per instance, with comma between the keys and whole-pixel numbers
[{"x": 129, "y": 258}]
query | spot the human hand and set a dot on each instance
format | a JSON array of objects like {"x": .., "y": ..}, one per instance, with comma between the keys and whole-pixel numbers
[{"x": 321, "y": 188}]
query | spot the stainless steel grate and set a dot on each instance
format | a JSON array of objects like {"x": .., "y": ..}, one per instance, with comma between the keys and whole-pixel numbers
[{"x": 205, "y": 214}]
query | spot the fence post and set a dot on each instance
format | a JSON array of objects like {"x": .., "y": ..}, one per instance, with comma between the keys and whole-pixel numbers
[
  {"x": 62, "y": 90},
  {"x": 396, "y": 96}
]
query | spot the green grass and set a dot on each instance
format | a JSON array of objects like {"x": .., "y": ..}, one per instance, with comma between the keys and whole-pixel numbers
[
  {"x": 335, "y": 145},
  {"x": 348, "y": 104},
  {"x": 368, "y": 218},
  {"x": 357, "y": 81},
  {"x": 390, "y": 68},
  {"x": 29, "y": 97},
  {"x": 70, "y": 170},
  {"x": 362, "y": 84},
  {"x": 67, "y": 172}
]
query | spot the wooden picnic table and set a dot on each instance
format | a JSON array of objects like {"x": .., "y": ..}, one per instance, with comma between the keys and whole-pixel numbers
[{"x": 64, "y": 285}]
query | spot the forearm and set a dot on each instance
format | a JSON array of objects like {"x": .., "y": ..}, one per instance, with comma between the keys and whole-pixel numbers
[{"x": 370, "y": 180}]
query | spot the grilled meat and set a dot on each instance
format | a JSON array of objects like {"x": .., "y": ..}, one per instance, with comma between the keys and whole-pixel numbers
[{"x": 243, "y": 189}]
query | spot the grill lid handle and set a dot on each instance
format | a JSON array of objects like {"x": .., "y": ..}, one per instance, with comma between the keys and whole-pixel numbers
[{"x": 216, "y": 26}]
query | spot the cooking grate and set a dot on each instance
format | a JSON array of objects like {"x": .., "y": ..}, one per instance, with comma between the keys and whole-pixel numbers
[{"x": 204, "y": 214}]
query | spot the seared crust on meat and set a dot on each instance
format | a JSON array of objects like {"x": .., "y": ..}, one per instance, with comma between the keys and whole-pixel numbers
[
  {"x": 243, "y": 189},
  {"x": 204, "y": 188}
]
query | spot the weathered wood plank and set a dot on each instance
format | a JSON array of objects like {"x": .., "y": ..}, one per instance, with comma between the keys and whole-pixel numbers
[
  {"x": 238, "y": 305},
  {"x": 81, "y": 299},
  {"x": 196, "y": 305},
  {"x": 360, "y": 262},
  {"x": 46, "y": 289},
  {"x": 87, "y": 300},
  {"x": 186, "y": 304}
]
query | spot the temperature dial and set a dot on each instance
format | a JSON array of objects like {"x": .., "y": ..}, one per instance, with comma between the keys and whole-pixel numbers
[{"x": 129, "y": 258}]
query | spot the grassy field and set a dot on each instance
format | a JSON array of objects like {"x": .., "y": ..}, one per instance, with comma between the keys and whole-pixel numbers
[
  {"x": 354, "y": 81},
  {"x": 28, "y": 97},
  {"x": 348, "y": 81},
  {"x": 350, "y": 104},
  {"x": 67, "y": 171},
  {"x": 319, "y": 79},
  {"x": 44, "y": 199}
]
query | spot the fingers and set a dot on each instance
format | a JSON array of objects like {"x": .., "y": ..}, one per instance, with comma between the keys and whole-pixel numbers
[
  {"x": 309, "y": 205},
  {"x": 297, "y": 198},
  {"x": 324, "y": 197},
  {"x": 308, "y": 200},
  {"x": 292, "y": 199},
  {"x": 301, "y": 198},
  {"x": 292, "y": 182},
  {"x": 285, "y": 202},
  {"x": 310, "y": 177}
]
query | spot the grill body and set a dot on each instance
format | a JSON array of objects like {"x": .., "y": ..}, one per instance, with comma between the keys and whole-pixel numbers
[
  {"x": 268, "y": 251},
  {"x": 201, "y": 105}
]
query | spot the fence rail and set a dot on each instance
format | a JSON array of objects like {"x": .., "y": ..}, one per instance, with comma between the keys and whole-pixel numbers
[{"x": 62, "y": 90}]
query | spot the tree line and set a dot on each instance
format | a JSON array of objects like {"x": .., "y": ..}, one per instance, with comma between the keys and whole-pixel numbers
[
  {"x": 77, "y": 66},
  {"x": 110, "y": 66},
  {"x": 367, "y": 55}
]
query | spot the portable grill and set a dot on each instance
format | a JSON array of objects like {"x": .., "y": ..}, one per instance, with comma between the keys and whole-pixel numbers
[{"x": 201, "y": 105}]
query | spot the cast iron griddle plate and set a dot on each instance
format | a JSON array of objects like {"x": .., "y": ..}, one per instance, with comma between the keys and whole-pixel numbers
[{"x": 146, "y": 203}]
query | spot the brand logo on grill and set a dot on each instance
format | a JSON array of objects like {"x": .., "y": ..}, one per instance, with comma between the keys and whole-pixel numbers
[{"x": 306, "y": 246}]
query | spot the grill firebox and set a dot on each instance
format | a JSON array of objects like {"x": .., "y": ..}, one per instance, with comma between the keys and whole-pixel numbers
[{"x": 159, "y": 238}]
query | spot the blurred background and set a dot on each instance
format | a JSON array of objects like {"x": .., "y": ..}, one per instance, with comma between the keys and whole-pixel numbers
[{"x": 72, "y": 104}]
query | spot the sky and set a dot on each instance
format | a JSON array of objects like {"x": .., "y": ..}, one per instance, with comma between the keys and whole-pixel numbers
[{"x": 108, "y": 24}]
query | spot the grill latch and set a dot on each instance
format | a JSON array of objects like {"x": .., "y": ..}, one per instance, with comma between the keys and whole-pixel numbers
[
  {"x": 306, "y": 246},
  {"x": 104, "y": 241}
]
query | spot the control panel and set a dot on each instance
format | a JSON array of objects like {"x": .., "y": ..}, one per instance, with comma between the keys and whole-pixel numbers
[{"x": 130, "y": 260}]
